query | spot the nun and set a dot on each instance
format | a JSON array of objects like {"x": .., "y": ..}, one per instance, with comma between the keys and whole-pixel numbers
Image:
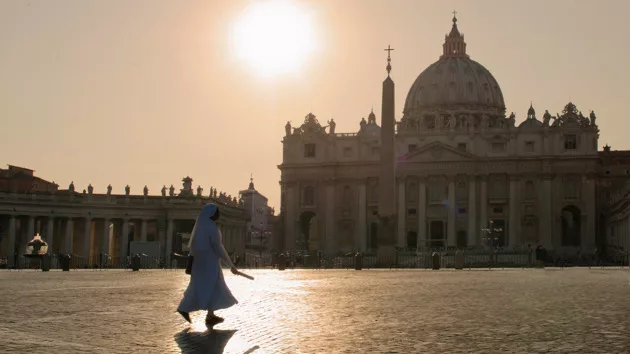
[{"x": 207, "y": 289}]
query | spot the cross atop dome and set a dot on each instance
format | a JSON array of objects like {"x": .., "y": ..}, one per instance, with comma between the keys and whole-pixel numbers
[{"x": 454, "y": 45}]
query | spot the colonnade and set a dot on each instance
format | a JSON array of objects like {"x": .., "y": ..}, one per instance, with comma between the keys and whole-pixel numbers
[{"x": 89, "y": 236}]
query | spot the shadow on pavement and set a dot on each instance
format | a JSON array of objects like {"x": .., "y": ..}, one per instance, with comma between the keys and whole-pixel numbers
[{"x": 203, "y": 342}]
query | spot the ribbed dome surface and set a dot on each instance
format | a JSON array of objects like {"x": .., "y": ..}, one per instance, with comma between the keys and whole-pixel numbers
[
  {"x": 455, "y": 82},
  {"x": 452, "y": 82}
]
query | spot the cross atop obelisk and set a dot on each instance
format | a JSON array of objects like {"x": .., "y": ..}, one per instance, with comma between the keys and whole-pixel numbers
[{"x": 389, "y": 59}]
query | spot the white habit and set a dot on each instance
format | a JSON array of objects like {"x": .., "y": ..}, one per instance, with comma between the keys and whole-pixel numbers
[{"x": 207, "y": 289}]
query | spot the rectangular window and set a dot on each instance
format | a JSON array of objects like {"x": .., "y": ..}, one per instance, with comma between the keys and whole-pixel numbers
[
  {"x": 347, "y": 151},
  {"x": 461, "y": 146},
  {"x": 412, "y": 147},
  {"x": 570, "y": 142},
  {"x": 376, "y": 150},
  {"x": 529, "y": 146},
  {"x": 309, "y": 150},
  {"x": 498, "y": 147},
  {"x": 411, "y": 212},
  {"x": 497, "y": 210}
]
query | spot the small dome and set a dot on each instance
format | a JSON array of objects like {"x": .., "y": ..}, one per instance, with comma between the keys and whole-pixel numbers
[
  {"x": 455, "y": 82},
  {"x": 531, "y": 121}
]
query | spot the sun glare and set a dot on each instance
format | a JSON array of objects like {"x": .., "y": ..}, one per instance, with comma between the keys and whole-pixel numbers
[{"x": 274, "y": 37}]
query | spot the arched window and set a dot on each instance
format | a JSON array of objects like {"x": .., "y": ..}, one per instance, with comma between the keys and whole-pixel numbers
[{"x": 308, "y": 196}]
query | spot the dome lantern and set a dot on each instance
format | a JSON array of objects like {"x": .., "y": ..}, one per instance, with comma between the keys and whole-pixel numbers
[{"x": 454, "y": 45}]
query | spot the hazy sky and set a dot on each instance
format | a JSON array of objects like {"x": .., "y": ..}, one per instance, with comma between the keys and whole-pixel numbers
[{"x": 150, "y": 91}]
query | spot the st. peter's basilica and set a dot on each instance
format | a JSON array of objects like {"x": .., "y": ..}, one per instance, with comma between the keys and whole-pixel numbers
[{"x": 464, "y": 172}]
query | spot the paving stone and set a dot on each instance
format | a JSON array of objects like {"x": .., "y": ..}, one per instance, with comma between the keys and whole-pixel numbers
[{"x": 340, "y": 311}]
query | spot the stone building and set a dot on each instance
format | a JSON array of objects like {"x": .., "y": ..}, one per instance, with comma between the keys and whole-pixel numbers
[
  {"x": 88, "y": 224},
  {"x": 453, "y": 164},
  {"x": 614, "y": 204},
  {"x": 259, "y": 213}
]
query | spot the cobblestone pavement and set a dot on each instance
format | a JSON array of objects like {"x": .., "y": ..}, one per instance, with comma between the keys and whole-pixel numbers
[{"x": 340, "y": 311}]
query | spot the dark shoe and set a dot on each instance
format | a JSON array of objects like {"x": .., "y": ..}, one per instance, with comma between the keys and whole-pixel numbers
[
  {"x": 213, "y": 320},
  {"x": 185, "y": 315}
]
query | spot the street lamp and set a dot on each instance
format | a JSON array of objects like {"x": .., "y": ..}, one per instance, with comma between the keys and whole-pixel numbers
[{"x": 489, "y": 231}]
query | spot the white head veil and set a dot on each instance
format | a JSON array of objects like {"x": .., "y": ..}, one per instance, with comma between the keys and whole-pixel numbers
[{"x": 205, "y": 229}]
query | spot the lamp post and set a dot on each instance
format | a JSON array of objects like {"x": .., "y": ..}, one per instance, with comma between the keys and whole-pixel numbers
[{"x": 488, "y": 231}]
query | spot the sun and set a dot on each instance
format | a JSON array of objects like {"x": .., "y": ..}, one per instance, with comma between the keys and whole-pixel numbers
[{"x": 274, "y": 37}]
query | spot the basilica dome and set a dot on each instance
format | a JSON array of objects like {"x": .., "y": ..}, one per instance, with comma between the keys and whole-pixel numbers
[{"x": 455, "y": 82}]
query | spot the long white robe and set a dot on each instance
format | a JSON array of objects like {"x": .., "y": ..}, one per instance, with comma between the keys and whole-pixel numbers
[{"x": 207, "y": 289}]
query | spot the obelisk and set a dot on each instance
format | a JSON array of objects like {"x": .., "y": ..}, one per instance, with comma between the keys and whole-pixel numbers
[{"x": 386, "y": 251}]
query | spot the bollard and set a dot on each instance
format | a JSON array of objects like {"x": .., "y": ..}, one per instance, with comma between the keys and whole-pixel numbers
[
  {"x": 358, "y": 261},
  {"x": 435, "y": 258},
  {"x": 282, "y": 262},
  {"x": 65, "y": 262},
  {"x": 459, "y": 260},
  {"x": 135, "y": 263},
  {"x": 46, "y": 262}
]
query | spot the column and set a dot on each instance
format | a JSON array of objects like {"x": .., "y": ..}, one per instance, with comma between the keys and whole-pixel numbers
[
  {"x": 87, "y": 239},
  {"x": 546, "y": 214},
  {"x": 422, "y": 212},
  {"x": 105, "y": 240},
  {"x": 11, "y": 243},
  {"x": 513, "y": 222},
  {"x": 143, "y": 232},
  {"x": 483, "y": 202},
  {"x": 451, "y": 241},
  {"x": 330, "y": 220},
  {"x": 50, "y": 233},
  {"x": 69, "y": 235},
  {"x": 362, "y": 229},
  {"x": 169, "y": 239},
  {"x": 588, "y": 237},
  {"x": 472, "y": 211},
  {"x": 402, "y": 213},
  {"x": 31, "y": 229},
  {"x": 291, "y": 208},
  {"x": 124, "y": 239}
]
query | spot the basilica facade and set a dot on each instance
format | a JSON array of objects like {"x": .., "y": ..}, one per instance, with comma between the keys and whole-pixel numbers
[{"x": 465, "y": 173}]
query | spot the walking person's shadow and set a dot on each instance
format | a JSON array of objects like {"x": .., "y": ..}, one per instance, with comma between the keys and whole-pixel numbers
[{"x": 203, "y": 342}]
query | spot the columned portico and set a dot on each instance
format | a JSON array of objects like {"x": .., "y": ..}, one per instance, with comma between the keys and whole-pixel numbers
[
  {"x": 546, "y": 217},
  {"x": 169, "y": 238},
  {"x": 402, "y": 215},
  {"x": 483, "y": 202},
  {"x": 329, "y": 240},
  {"x": 87, "y": 239},
  {"x": 513, "y": 226},
  {"x": 362, "y": 229},
  {"x": 422, "y": 212},
  {"x": 124, "y": 246},
  {"x": 30, "y": 232},
  {"x": 472, "y": 211},
  {"x": 50, "y": 233},
  {"x": 105, "y": 241},
  {"x": 69, "y": 235},
  {"x": 11, "y": 243},
  {"x": 143, "y": 231},
  {"x": 451, "y": 241}
]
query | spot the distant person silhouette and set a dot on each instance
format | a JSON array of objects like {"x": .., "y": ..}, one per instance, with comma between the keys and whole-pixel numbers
[{"x": 207, "y": 289}]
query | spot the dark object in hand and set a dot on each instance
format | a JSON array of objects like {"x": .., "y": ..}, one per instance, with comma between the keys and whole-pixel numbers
[{"x": 189, "y": 265}]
